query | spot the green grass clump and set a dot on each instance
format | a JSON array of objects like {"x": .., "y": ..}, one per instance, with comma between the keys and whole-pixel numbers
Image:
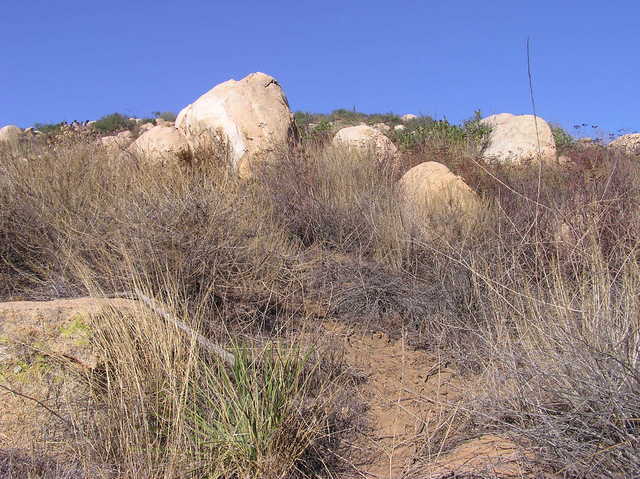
[{"x": 243, "y": 414}]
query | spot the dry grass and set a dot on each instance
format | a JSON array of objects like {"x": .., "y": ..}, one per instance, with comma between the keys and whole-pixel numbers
[
  {"x": 162, "y": 406},
  {"x": 538, "y": 298}
]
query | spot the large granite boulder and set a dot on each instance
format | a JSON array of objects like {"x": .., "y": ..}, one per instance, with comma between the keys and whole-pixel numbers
[
  {"x": 519, "y": 138},
  {"x": 250, "y": 117}
]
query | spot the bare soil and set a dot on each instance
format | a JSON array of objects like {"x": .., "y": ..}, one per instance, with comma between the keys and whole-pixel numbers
[{"x": 409, "y": 394}]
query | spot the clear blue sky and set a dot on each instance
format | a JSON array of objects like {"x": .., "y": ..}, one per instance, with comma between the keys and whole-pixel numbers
[{"x": 78, "y": 60}]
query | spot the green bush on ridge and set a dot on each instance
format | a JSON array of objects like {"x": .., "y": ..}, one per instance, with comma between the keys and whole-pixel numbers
[{"x": 113, "y": 122}]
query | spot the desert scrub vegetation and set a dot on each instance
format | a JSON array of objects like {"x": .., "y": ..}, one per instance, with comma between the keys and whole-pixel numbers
[
  {"x": 49, "y": 128},
  {"x": 536, "y": 303},
  {"x": 345, "y": 116},
  {"x": 112, "y": 123},
  {"x": 428, "y": 131},
  {"x": 563, "y": 140}
]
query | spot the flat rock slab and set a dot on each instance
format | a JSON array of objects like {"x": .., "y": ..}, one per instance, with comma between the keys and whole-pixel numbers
[
  {"x": 60, "y": 327},
  {"x": 43, "y": 346}
]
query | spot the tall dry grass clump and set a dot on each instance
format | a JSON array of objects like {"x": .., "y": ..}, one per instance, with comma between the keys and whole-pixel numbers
[
  {"x": 161, "y": 404},
  {"x": 557, "y": 340}
]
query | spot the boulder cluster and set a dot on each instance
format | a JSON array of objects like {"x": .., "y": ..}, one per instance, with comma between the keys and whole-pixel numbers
[{"x": 251, "y": 122}]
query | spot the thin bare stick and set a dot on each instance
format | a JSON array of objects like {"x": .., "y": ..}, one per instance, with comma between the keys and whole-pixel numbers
[
  {"x": 535, "y": 122},
  {"x": 38, "y": 402}
]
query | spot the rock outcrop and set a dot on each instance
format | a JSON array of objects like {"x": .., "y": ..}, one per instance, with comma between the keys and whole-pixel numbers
[
  {"x": 364, "y": 140},
  {"x": 117, "y": 143},
  {"x": 408, "y": 117},
  {"x": 160, "y": 145},
  {"x": 163, "y": 122},
  {"x": 43, "y": 345},
  {"x": 145, "y": 127},
  {"x": 250, "y": 117},
  {"x": 629, "y": 144},
  {"x": 518, "y": 138}
]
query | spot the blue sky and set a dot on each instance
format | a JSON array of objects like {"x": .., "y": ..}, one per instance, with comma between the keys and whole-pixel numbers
[{"x": 78, "y": 60}]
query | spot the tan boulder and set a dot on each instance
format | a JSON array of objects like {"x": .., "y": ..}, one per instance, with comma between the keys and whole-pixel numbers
[
  {"x": 517, "y": 138},
  {"x": 116, "y": 143},
  {"x": 399, "y": 128},
  {"x": 125, "y": 135},
  {"x": 146, "y": 127},
  {"x": 408, "y": 117},
  {"x": 365, "y": 139},
  {"x": 432, "y": 186},
  {"x": 629, "y": 144},
  {"x": 163, "y": 122},
  {"x": 10, "y": 135},
  {"x": 160, "y": 144},
  {"x": 250, "y": 117},
  {"x": 437, "y": 205}
]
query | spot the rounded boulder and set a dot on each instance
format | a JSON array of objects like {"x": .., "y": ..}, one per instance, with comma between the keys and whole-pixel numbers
[
  {"x": 250, "y": 118},
  {"x": 365, "y": 139},
  {"x": 431, "y": 185},
  {"x": 160, "y": 145},
  {"x": 10, "y": 135},
  {"x": 518, "y": 138}
]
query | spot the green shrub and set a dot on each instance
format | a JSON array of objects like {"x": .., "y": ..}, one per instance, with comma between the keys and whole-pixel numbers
[
  {"x": 113, "y": 122},
  {"x": 304, "y": 119},
  {"x": 422, "y": 130},
  {"x": 563, "y": 140},
  {"x": 49, "y": 128},
  {"x": 323, "y": 127}
]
